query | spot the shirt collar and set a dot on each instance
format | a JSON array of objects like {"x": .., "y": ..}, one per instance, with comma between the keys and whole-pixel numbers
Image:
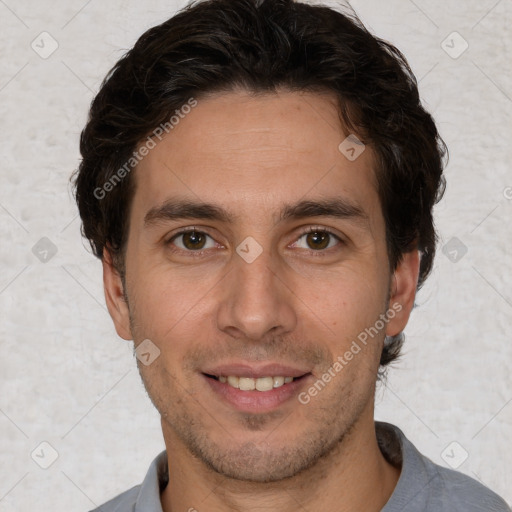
[{"x": 148, "y": 499}]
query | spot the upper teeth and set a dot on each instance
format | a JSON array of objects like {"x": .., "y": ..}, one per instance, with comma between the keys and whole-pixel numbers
[{"x": 249, "y": 384}]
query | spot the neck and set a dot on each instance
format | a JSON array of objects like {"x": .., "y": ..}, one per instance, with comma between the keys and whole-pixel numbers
[{"x": 354, "y": 476}]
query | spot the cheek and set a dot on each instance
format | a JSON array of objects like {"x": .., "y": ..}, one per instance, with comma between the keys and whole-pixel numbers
[
  {"x": 346, "y": 298},
  {"x": 175, "y": 311}
]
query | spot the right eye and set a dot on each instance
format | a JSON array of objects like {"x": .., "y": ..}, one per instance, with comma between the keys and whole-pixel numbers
[{"x": 191, "y": 240}]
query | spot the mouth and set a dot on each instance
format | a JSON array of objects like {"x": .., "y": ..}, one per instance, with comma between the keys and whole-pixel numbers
[
  {"x": 256, "y": 390},
  {"x": 262, "y": 384}
]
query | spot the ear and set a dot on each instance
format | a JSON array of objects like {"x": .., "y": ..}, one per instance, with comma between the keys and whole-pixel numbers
[
  {"x": 114, "y": 297},
  {"x": 403, "y": 292}
]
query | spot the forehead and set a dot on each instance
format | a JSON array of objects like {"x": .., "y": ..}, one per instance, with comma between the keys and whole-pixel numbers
[{"x": 253, "y": 153}]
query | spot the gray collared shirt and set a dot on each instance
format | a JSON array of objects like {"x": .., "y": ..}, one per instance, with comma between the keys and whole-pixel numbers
[{"x": 422, "y": 487}]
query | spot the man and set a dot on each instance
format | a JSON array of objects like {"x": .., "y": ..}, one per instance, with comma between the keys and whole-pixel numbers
[{"x": 258, "y": 179}]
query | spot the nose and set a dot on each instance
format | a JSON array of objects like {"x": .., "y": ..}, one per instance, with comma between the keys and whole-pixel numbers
[{"x": 256, "y": 301}]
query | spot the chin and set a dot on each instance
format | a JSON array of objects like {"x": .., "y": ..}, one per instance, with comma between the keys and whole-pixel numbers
[{"x": 263, "y": 462}]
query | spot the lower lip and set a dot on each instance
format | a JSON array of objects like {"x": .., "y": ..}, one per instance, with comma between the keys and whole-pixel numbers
[{"x": 257, "y": 401}]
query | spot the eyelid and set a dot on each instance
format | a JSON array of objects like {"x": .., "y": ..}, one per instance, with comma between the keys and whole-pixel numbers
[
  {"x": 187, "y": 229},
  {"x": 321, "y": 229}
]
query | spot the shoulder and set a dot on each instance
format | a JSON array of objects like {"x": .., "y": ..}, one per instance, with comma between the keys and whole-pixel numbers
[
  {"x": 428, "y": 487},
  {"x": 124, "y": 502},
  {"x": 144, "y": 497},
  {"x": 456, "y": 491}
]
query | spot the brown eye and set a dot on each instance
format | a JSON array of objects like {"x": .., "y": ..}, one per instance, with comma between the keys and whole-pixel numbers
[
  {"x": 192, "y": 241},
  {"x": 317, "y": 240}
]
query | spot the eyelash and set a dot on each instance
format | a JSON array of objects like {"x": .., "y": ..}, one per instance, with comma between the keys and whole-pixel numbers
[{"x": 199, "y": 253}]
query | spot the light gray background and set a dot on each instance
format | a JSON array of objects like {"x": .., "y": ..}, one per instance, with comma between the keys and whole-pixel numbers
[{"x": 68, "y": 380}]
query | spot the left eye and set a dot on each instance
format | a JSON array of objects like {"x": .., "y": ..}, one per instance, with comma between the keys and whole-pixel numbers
[{"x": 317, "y": 240}]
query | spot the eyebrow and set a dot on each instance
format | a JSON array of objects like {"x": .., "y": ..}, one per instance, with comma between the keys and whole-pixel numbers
[{"x": 178, "y": 209}]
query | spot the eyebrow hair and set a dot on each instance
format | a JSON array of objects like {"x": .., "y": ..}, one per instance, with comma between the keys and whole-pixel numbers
[
  {"x": 176, "y": 209},
  {"x": 339, "y": 208}
]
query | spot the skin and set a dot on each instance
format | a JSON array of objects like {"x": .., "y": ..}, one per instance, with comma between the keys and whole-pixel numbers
[{"x": 299, "y": 303}]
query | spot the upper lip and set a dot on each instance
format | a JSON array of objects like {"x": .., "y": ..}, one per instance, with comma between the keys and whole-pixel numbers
[{"x": 255, "y": 371}]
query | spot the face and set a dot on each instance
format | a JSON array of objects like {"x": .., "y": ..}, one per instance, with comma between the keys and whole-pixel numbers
[{"x": 256, "y": 253}]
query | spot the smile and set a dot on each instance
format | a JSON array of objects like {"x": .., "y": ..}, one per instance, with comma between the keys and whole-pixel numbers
[
  {"x": 256, "y": 394},
  {"x": 250, "y": 384}
]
